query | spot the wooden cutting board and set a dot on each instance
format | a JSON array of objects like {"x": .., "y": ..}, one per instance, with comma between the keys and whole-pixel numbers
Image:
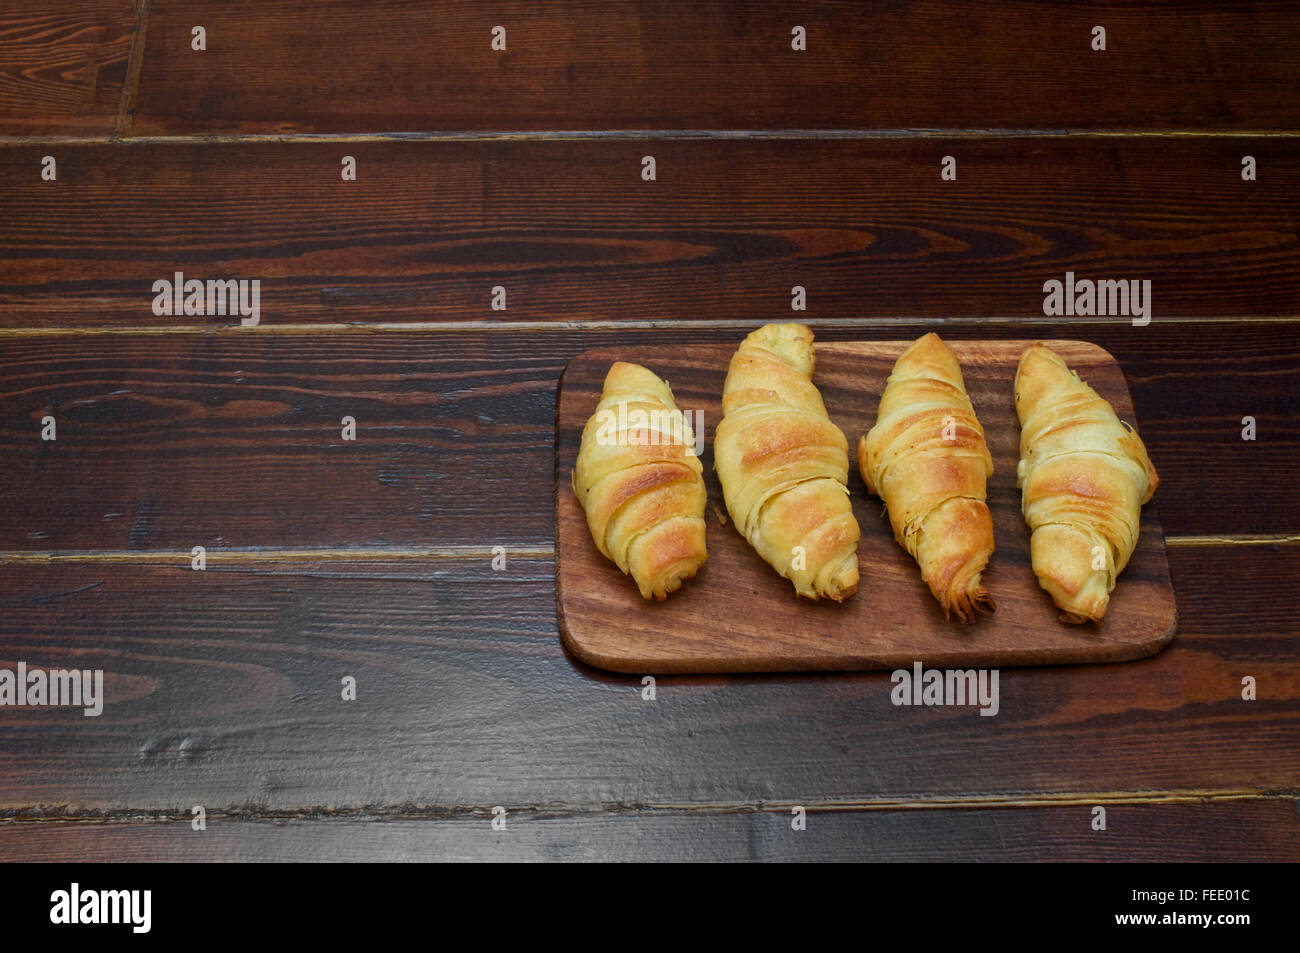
[{"x": 738, "y": 615}]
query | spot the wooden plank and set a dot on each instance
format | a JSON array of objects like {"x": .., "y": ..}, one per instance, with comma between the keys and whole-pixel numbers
[
  {"x": 173, "y": 442},
  {"x": 63, "y": 65},
  {"x": 223, "y": 688},
  {"x": 1255, "y": 830},
  {"x": 166, "y": 442},
  {"x": 738, "y": 615},
  {"x": 571, "y": 231},
  {"x": 394, "y": 65}
]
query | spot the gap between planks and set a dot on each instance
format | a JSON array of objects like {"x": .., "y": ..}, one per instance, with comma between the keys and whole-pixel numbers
[
  {"x": 584, "y": 325},
  {"x": 494, "y": 135},
  {"x": 217, "y": 556},
  {"x": 400, "y": 812},
  {"x": 360, "y": 554},
  {"x": 1264, "y": 539}
]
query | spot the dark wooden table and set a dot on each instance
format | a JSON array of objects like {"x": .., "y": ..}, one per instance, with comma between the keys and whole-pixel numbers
[{"x": 522, "y": 168}]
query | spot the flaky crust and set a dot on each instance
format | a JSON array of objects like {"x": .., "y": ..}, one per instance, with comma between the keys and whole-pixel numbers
[
  {"x": 784, "y": 466},
  {"x": 1083, "y": 476},
  {"x": 640, "y": 483},
  {"x": 927, "y": 459}
]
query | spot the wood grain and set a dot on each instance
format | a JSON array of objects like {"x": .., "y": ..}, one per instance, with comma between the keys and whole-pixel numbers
[
  {"x": 393, "y": 65},
  {"x": 572, "y": 232},
  {"x": 223, "y": 688},
  {"x": 738, "y": 615},
  {"x": 169, "y": 443},
  {"x": 234, "y": 440},
  {"x": 63, "y": 64},
  {"x": 1237, "y": 831}
]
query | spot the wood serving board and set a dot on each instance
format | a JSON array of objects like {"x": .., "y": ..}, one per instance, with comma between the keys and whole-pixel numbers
[{"x": 738, "y": 615}]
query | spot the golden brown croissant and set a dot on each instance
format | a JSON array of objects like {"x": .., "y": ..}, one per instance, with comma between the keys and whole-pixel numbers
[
  {"x": 926, "y": 458},
  {"x": 640, "y": 481},
  {"x": 784, "y": 466},
  {"x": 1083, "y": 477}
]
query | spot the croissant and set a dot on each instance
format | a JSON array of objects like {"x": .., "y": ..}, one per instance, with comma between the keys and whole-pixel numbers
[
  {"x": 926, "y": 458},
  {"x": 640, "y": 482},
  {"x": 784, "y": 466},
  {"x": 1083, "y": 476}
]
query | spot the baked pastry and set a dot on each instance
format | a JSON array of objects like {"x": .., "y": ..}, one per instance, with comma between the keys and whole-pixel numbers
[
  {"x": 640, "y": 482},
  {"x": 1083, "y": 476},
  {"x": 927, "y": 459},
  {"x": 784, "y": 466}
]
